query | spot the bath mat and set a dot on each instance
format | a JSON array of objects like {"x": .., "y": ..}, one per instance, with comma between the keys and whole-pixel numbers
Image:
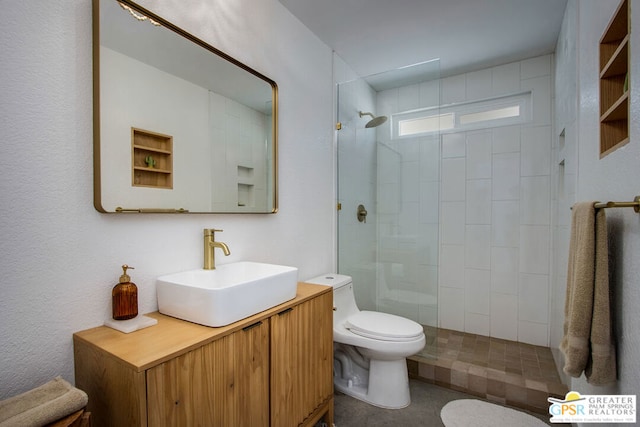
[{"x": 477, "y": 413}]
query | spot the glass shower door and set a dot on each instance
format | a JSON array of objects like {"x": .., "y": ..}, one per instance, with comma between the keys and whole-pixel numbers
[{"x": 392, "y": 253}]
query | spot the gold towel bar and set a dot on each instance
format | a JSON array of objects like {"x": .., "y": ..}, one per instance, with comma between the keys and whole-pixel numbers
[
  {"x": 635, "y": 204},
  {"x": 151, "y": 210}
]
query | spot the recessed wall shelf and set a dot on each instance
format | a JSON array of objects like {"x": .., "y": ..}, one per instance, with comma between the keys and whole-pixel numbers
[
  {"x": 246, "y": 197},
  {"x": 151, "y": 159},
  {"x": 614, "y": 83}
]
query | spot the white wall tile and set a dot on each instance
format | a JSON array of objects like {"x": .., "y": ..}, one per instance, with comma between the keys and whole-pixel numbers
[
  {"x": 410, "y": 187},
  {"x": 505, "y": 79},
  {"x": 430, "y": 93},
  {"x": 365, "y": 295},
  {"x": 387, "y": 198},
  {"x": 453, "y": 89},
  {"x": 505, "y": 223},
  {"x": 535, "y": 156},
  {"x": 429, "y": 198},
  {"x": 409, "y": 149},
  {"x": 453, "y": 145},
  {"x": 478, "y": 207},
  {"x": 477, "y": 291},
  {"x": 451, "y": 310},
  {"x": 506, "y": 139},
  {"x": 430, "y": 159},
  {"x": 409, "y": 97},
  {"x": 535, "y": 67},
  {"x": 388, "y": 170},
  {"x": 506, "y": 176},
  {"x": 409, "y": 215},
  {"x": 562, "y": 236},
  {"x": 452, "y": 222},
  {"x": 478, "y": 246},
  {"x": 535, "y": 200},
  {"x": 533, "y": 333},
  {"x": 533, "y": 298},
  {"x": 453, "y": 180},
  {"x": 427, "y": 283},
  {"x": 534, "y": 249},
  {"x": 540, "y": 88},
  {"x": 478, "y": 324},
  {"x": 386, "y": 100},
  {"x": 478, "y": 84},
  {"x": 452, "y": 266},
  {"x": 504, "y": 316},
  {"x": 479, "y": 155},
  {"x": 504, "y": 270},
  {"x": 428, "y": 243},
  {"x": 428, "y": 315}
]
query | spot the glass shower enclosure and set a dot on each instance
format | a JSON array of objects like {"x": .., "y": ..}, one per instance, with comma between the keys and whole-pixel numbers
[{"x": 388, "y": 192}]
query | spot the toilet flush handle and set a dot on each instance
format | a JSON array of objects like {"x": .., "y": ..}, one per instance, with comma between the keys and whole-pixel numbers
[{"x": 361, "y": 214}]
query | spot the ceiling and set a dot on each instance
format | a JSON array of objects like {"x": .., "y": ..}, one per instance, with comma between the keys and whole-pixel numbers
[{"x": 375, "y": 36}]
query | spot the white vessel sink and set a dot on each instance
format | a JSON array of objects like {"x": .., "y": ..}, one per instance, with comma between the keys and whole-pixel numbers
[{"x": 227, "y": 294}]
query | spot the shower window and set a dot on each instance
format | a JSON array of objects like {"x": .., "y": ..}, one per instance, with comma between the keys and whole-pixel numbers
[
  {"x": 486, "y": 113},
  {"x": 425, "y": 124}
]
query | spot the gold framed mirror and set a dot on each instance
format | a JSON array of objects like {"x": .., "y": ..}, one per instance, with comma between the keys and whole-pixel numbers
[{"x": 179, "y": 126}]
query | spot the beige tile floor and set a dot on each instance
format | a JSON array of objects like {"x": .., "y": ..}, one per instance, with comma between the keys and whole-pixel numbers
[{"x": 501, "y": 371}]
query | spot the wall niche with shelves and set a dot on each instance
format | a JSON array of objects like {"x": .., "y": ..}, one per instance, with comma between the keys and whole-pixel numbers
[
  {"x": 614, "y": 82},
  {"x": 151, "y": 159}
]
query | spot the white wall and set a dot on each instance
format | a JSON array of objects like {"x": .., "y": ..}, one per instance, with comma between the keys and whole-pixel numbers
[
  {"x": 59, "y": 258},
  {"x": 615, "y": 177},
  {"x": 125, "y": 105}
]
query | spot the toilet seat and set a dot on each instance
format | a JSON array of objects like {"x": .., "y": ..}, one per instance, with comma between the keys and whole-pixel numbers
[{"x": 383, "y": 326}]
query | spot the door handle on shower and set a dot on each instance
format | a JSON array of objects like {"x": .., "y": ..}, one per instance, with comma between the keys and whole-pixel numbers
[{"x": 361, "y": 214}]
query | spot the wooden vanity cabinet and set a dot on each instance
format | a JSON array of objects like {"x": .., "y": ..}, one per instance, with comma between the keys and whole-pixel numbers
[
  {"x": 302, "y": 363},
  {"x": 271, "y": 369},
  {"x": 222, "y": 383}
]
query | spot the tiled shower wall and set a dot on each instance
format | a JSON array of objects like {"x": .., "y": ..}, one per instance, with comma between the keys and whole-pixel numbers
[{"x": 493, "y": 193}]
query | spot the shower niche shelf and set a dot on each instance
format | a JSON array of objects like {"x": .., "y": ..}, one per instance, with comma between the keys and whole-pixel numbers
[
  {"x": 246, "y": 186},
  {"x": 151, "y": 159},
  {"x": 614, "y": 84}
]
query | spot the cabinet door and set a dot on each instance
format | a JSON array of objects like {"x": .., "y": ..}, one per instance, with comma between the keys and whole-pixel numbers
[
  {"x": 223, "y": 383},
  {"x": 301, "y": 360},
  {"x": 117, "y": 393}
]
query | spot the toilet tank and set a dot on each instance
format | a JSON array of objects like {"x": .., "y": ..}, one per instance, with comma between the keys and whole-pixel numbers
[
  {"x": 344, "y": 303},
  {"x": 331, "y": 279}
]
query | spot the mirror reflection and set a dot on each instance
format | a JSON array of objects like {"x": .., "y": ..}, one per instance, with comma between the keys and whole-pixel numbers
[{"x": 178, "y": 125}]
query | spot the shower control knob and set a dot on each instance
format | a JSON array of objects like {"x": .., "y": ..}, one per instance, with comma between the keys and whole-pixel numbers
[{"x": 361, "y": 214}]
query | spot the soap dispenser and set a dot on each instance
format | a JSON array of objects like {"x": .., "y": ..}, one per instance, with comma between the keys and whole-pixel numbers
[{"x": 125, "y": 297}]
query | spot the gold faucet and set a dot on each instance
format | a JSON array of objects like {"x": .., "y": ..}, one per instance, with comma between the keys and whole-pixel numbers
[{"x": 209, "y": 247}]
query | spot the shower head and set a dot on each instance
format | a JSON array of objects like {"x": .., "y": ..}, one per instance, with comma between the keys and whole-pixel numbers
[{"x": 375, "y": 121}]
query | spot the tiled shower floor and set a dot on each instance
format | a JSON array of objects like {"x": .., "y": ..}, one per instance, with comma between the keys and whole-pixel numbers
[{"x": 506, "y": 372}]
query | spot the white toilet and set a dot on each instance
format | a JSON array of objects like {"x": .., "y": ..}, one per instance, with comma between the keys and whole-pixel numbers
[{"x": 370, "y": 348}]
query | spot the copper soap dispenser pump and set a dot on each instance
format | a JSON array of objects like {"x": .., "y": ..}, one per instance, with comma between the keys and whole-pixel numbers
[{"x": 125, "y": 297}]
